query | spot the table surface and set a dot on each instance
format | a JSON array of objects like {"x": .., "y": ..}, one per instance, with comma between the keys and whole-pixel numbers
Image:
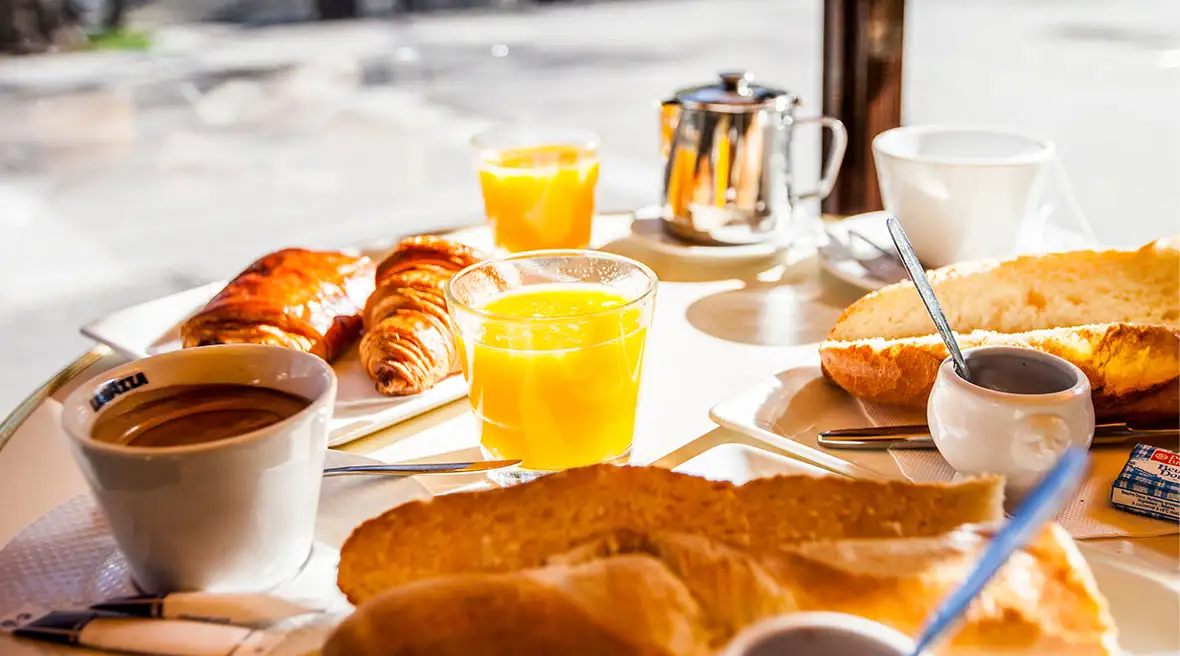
[{"x": 718, "y": 329}]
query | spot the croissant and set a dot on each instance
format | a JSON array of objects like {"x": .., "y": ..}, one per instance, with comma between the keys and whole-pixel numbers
[
  {"x": 300, "y": 299},
  {"x": 409, "y": 342}
]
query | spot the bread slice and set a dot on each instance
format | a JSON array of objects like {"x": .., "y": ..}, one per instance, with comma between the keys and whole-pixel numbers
[
  {"x": 1133, "y": 368},
  {"x": 510, "y": 529},
  {"x": 631, "y": 605},
  {"x": 1114, "y": 314},
  {"x": 666, "y": 593},
  {"x": 788, "y": 510},
  {"x": 514, "y": 528},
  {"x": 1029, "y": 293}
]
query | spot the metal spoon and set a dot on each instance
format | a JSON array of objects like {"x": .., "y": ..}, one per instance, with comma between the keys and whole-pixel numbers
[
  {"x": 1042, "y": 503},
  {"x": 421, "y": 468},
  {"x": 926, "y": 292}
]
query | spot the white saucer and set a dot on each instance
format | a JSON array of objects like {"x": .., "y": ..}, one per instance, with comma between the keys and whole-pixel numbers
[
  {"x": 68, "y": 560},
  {"x": 870, "y": 225},
  {"x": 647, "y": 228}
]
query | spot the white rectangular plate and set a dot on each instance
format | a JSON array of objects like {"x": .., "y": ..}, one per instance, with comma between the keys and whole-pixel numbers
[
  {"x": 1144, "y": 606},
  {"x": 740, "y": 463},
  {"x": 153, "y": 327},
  {"x": 788, "y": 412}
]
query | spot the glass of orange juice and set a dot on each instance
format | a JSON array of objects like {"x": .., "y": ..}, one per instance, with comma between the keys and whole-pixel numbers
[
  {"x": 552, "y": 347},
  {"x": 538, "y": 186}
]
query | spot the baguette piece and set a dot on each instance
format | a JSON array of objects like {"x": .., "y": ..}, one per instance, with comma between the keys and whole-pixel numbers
[
  {"x": 1114, "y": 314},
  {"x": 515, "y": 528},
  {"x": 667, "y": 593},
  {"x": 625, "y": 605},
  {"x": 1036, "y": 292},
  {"x": 1133, "y": 368}
]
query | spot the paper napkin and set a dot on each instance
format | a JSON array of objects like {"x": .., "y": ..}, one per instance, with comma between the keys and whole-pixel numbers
[{"x": 1088, "y": 515}]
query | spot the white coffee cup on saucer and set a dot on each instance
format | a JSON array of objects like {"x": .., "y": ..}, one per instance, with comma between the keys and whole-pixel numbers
[
  {"x": 1027, "y": 409},
  {"x": 234, "y": 514},
  {"x": 963, "y": 193},
  {"x": 819, "y": 634}
]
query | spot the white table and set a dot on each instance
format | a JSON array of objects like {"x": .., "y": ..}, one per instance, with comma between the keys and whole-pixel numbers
[{"x": 718, "y": 329}]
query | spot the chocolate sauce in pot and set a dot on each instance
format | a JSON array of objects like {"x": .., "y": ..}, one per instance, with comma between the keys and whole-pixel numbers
[{"x": 1016, "y": 374}]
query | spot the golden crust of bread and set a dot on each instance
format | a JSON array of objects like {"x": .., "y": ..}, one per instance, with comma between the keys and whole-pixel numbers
[
  {"x": 634, "y": 606},
  {"x": 1034, "y": 292},
  {"x": 508, "y": 529},
  {"x": 513, "y": 528},
  {"x": 672, "y": 593},
  {"x": 1133, "y": 368}
]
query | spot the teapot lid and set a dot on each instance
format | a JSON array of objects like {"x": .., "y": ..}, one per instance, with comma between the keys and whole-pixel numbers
[{"x": 736, "y": 92}]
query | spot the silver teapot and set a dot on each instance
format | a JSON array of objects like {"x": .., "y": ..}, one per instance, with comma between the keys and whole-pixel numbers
[{"x": 727, "y": 174}]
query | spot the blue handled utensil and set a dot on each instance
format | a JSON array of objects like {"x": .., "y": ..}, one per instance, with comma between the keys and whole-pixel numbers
[{"x": 1041, "y": 504}]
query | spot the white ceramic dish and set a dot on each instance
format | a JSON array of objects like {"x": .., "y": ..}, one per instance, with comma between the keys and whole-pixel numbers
[
  {"x": 153, "y": 327},
  {"x": 647, "y": 228},
  {"x": 67, "y": 558},
  {"x": 964, "y": 193},
  {"x": 870, "y": 225},
  {"x": 740, "y": 463},
  {"x": 1144, "y": 607},
  {"x": 788, "y": 411}
]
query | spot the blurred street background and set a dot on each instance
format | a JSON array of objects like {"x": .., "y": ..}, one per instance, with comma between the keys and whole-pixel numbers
[{"x": 247, "y": 126}]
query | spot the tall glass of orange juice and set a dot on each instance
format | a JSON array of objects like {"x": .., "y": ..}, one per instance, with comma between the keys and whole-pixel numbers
[
  {"x": 552, "y": 347},
  {"x": 538, "y": 186}
]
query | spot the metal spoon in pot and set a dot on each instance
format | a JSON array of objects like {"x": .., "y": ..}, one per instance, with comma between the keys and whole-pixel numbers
[{"x": 926, "y": 292}]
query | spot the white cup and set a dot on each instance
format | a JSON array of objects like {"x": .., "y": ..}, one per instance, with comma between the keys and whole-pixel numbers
[
  {"x": 819, "y": 634},
  {"x": 229, "y": 515},
  {"x": 1020, "y": 436},
  {"x": 963, "y": 193}
]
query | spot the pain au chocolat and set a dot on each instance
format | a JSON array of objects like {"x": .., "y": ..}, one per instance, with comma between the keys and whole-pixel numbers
[{"x": 297, "y": 298}]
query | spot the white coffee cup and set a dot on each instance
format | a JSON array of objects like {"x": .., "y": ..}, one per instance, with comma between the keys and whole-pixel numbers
[
  {"x": 963, "y": 193},
  {"x": 1018, "y": 435},
  {"x": 229, "y": 515},
  {"x": 819, "y": 634}
]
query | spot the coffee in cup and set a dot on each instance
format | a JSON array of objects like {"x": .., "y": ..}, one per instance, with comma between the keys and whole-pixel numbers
[
  {"x": 180, "y": 415},
  {"x": 207, "y": 462}
]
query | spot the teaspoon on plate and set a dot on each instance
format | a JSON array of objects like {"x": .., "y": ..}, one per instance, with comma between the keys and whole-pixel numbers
[{"x": 413, "y": 469}]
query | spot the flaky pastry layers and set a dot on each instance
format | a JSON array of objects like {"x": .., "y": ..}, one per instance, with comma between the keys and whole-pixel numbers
[
  {"x": 297, "y": 298},
  {"x": 409, "y": 342}
]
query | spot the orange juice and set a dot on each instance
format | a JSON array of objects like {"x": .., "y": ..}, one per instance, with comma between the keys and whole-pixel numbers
[
  {"x": 559, "y": 389},
  {"x": 539, "y": 197}
]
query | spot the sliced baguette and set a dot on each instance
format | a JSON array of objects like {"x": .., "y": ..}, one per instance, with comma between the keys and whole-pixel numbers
[
  {"x": 1133, "y": 368},
  {"x": 1030, "y": 293},
  {"x": 665, "y": 593},
  {"x": 510, "y": 529},
  {"x": 1114, "y": 314}
]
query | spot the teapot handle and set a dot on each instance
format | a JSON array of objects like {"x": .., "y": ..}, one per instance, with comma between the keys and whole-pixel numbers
[{"x": 835, "y": 154}]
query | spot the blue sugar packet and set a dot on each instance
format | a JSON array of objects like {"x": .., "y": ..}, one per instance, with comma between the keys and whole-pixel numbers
[{"x": 1149, "y": 483}]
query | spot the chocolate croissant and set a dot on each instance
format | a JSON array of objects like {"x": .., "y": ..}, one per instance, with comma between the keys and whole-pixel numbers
[
  {"x": 409, "y": 342},
  {"x": 300, "y": 299}
]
